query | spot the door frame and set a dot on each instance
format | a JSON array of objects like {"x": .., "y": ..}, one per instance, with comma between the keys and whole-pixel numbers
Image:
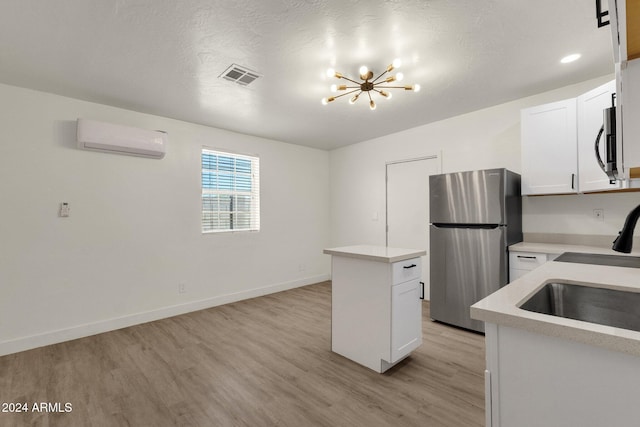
[{"x": 386, "y": 185}]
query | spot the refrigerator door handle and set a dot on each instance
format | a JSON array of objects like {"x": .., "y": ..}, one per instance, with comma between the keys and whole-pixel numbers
[{"x": 456, "y": 225}]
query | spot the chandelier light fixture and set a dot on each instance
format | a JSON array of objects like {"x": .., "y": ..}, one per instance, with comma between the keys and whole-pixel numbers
[{"x": 368, "y": 84}]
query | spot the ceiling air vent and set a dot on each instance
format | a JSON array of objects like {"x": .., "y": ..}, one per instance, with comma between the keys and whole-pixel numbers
[{"x": 239, "y": 74}]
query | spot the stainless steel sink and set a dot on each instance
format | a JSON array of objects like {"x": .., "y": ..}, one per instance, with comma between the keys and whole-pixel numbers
[
  {"x": 600, "y": 259},
  {"x": 620, "y": 309}
]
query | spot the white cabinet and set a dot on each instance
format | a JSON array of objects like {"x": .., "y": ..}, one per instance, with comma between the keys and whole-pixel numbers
[
  {"x": 520, "y": 263},
  {"x": 625, "y": 29},
  {"x": 628, "y": 115},
  {"x": 624, "y": 17},
  {"x": 376, "y": 307},
  {"x": 538, "y": 380},
  {"x": 406, "y": 319},
  {"x": 558, "y": 141},
  {"x": 590, "y": 119},
  {"x": 549, "y": 148}
]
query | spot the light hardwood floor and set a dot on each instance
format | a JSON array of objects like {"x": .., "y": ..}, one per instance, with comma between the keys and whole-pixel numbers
[{"x": 261, "y": 362}]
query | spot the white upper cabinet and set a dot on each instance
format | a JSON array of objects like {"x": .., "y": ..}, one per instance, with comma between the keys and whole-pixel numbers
[
  {"x": 629, "y": 117},
  {"x": 591, "y": 106},
  {"x": 624, "y": 16},
  {"x": 625, "y": 28},
  {"x": 549, "y": 148}
]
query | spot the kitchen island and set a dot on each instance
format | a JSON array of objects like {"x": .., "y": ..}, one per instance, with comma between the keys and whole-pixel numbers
[
  {"x": 544, "y": 370},
  {"x": 376, "y": 307}
]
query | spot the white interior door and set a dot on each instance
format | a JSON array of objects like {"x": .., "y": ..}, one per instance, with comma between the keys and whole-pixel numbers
[{"x": 408, "y": 207}]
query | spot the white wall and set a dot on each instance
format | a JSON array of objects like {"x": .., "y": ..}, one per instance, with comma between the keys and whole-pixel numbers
[
  {"x": 488, "y": 138},
  {"x": 134, "y": 230},
  {"x": 574, "y": 214}
]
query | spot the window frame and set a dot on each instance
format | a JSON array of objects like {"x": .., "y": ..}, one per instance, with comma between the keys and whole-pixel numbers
[{"x": 234, "y": 195}]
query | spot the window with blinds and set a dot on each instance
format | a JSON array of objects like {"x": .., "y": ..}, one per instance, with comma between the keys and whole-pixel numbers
[{"x": 230, "y": 192}]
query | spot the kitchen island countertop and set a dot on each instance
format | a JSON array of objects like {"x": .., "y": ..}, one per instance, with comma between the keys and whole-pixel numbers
[{"x": 376, "y": 253}]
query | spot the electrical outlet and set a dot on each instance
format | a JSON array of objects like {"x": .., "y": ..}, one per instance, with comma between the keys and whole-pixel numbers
[
  {"x": 64, "y": 210},
  {"x": 598, "y": 214},
  {"x": 182, "y": 288}
]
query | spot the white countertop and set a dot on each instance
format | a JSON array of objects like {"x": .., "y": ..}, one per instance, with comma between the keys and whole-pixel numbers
[
  {"x": 501, "y": 307},
  {"x": 557, "y": 248},
  {"x": 376, "y": 253}
]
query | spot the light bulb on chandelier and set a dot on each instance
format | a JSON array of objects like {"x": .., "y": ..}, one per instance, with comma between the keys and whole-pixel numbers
[{"x": 368, "y": 84}]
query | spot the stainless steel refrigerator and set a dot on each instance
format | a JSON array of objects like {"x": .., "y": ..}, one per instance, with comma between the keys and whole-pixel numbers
[{"x": 474, "y": 217}]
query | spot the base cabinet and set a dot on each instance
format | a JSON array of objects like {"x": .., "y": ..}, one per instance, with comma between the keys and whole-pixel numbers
[
  {"x": 520, "y": 263},
  {"x": 534, "y": 380},
  {"x": 406, "y": 319},
  {"x": 376, "y": 313}
]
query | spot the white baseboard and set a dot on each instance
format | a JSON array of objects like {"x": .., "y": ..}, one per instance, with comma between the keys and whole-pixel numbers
[{"x": 81, "y": 331}]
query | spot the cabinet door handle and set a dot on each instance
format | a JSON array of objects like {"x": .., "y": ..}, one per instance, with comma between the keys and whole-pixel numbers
[
  {"x": 410, "y": 266},
  {"x": 573, "y": 180},
  {"x": 422, "y": 291}
]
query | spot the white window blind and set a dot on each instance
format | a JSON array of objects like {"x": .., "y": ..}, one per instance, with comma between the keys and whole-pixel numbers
[{"x": 230, "y": 192}]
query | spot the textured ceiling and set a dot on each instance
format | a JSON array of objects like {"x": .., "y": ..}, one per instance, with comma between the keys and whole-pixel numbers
[{"x": 164, "y": 57}]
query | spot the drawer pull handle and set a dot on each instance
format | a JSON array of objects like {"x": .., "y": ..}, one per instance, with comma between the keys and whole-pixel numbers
[
  {"x": 410, "y": 266},
  {"x": 526, "y": 257}
]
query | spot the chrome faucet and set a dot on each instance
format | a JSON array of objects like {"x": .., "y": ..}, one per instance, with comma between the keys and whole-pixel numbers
[{"x": 624, "y": 241}]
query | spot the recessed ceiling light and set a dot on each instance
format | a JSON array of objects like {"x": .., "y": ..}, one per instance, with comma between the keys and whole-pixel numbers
[{"x": 570, "y": 58}]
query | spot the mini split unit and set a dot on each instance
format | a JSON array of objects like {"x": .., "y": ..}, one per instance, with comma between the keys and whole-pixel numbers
[{"x": 110, "y": 138}]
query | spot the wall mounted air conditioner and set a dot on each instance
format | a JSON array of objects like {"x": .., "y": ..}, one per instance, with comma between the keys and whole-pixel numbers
[{"x": 107, "y": 137}]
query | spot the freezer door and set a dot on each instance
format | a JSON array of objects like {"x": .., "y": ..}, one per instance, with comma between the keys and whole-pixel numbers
[
  {"x": 467, "y": 264},
  {"x": 475, "y": 197}
]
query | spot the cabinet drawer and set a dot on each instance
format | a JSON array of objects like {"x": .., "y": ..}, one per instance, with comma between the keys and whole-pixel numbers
[
  {"x": 526, "y": 260},
  {"x": 406, "y": 270}
]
